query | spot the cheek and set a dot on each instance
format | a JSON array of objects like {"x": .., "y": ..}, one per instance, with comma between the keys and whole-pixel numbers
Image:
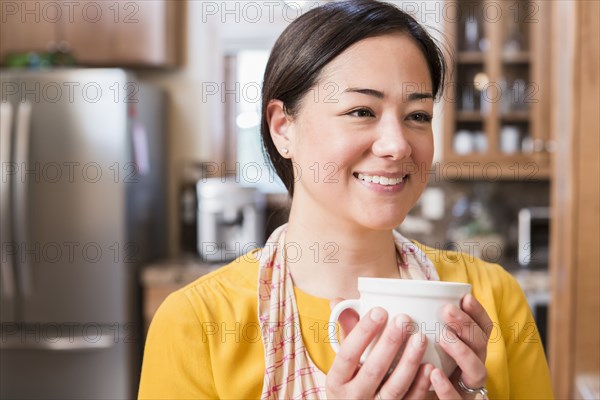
[
  {"x": 328, "y": 145},
  {"x": 422, "y": 151}
]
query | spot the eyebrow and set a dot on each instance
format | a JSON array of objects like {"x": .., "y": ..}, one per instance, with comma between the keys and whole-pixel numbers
[{"x": 380, "y": 95}]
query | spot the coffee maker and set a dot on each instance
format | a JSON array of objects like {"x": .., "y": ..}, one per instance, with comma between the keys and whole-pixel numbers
[{"x": 230, "y": 219}]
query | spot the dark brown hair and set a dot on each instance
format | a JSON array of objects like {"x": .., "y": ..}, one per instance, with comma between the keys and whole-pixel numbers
[{"x": 314, "y": 39}]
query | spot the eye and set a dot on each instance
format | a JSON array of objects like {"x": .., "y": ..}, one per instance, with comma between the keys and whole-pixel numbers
[
  {"x": 420, "y": 117},
  {"x": 361, "y": 113}
]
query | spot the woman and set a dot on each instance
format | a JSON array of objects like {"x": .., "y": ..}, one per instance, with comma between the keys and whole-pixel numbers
[{"x": 346, "y": 120}]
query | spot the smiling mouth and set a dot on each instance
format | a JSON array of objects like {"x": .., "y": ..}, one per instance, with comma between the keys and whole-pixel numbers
[{"x": 381, "y": 180}]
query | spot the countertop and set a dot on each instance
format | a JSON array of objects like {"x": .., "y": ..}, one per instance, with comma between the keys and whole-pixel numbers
[
  {"x": 175, "y": 272},
  {"x": 181, "y": 271}
]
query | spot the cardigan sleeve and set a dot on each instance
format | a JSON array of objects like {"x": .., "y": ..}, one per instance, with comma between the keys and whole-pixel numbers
[
  {"x": 176, "y": 361},
  {"x": 529, "y": 377}
]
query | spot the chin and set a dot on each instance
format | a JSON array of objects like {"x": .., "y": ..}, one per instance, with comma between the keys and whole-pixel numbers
[{"x": 383, "y": 224}]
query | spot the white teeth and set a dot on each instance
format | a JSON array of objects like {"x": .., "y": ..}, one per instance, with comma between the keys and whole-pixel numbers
[{"x": 382, "y": 180}]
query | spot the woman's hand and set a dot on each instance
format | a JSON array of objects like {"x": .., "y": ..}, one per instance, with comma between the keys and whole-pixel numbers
[
  {"x": 347, "y": 379},
  {"x": 465, "y": 340}
]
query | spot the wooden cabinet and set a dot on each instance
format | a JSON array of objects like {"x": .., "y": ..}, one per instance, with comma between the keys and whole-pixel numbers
[
  {"x": 497, "y": 102},
  {"x": 23, "y": 27},
  {"x": 99, "y": 33},
  {"x": 575, "y": 273}
]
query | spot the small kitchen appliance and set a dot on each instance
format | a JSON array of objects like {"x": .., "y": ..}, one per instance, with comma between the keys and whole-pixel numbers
[{"x": 230, "y": 219}]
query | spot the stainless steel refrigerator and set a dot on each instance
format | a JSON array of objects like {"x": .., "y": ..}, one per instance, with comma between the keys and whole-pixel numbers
[{"x": 82, "y": 208}]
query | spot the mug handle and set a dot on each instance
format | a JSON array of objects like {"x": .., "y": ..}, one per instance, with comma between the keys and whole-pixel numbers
[{"x": 333, "y": 319}]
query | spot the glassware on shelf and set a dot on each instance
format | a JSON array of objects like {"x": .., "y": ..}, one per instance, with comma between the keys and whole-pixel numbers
[
  {"x": 518, "y": 90},
  {"x": 527, "y": 144},
  {"x": 480, "y": 142},
  {"x": 514, "y": 42},
  {"x": 469, "y": 90},
  {"x": 463, "y": 142},
  {"x": 510, "y": 139},
  {"x": 481, "y": 83},
  {"x": 514, "y": 96},
  {"x": 507, "y": 97},
  {"x": 484, "y": 45},
  {"x": 468, "y": 99},
  {"x": 471, "y": 34},
  {"x": 486, "y": 102}
]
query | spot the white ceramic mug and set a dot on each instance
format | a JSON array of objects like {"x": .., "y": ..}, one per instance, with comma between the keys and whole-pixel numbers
[{"x": 421, "y": 300}]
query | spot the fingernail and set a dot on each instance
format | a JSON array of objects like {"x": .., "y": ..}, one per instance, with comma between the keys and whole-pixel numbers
[
  {"x": 427, "y": 370},
  {"x": 418, "y": 340},
  {"x": 469, "y": 299},
  {"x": 453, "y": 311},
  {"x": 377, "y": 314},
  {"x": 401, "y": 320},
  {"x": 436, "y": 376}
]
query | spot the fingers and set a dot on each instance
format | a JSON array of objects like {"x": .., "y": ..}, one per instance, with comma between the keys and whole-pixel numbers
[
  {"x": 347, "y": 320},
  {"x": 420, "y": 387},
  {"x": 466, "y": 342},
  {"x": 401, "y": 379},
  {"x": 466, "y": 339},
  {"x": 442, "y": 386},
  {"x": 382, "y": 355},
  {"x": 395, "y": 342},
  {"x": 347, "y": 360},
  {"x": 469, "y": 331},
  {"x": 475, "y": 310},
  {"x": 473, "y": 371}
]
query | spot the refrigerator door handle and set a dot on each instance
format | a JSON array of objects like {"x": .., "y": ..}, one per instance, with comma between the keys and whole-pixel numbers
[
  {"x": 20, "y": 193},
  {"x": 72, "y": 343},
  {"x": 7, "y": 267}
]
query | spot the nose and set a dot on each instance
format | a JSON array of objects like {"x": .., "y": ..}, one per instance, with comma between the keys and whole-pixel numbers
[{"x": 391, "y": 141}]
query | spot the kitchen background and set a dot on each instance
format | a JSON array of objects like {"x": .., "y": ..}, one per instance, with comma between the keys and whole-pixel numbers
[{"x": 161, "y": 97}]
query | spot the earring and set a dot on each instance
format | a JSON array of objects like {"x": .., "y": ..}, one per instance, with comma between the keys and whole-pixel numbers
[{"x": 285, "y": 150}]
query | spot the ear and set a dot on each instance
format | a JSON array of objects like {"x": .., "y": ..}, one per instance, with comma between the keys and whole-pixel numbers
[{"x": 279, "y": 126}]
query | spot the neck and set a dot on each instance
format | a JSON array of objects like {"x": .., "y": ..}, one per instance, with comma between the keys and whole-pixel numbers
[{"x": 326, "y": 255}]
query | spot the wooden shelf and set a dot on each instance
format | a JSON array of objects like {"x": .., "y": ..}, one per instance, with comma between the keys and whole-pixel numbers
[
  {"x": 470, "y": 57},
  {"x": 493, "y": 167},
  {"x": 516, "y": 116},
  {"x": 469, "y": 116},
  {"x": 521, "y": 57}
]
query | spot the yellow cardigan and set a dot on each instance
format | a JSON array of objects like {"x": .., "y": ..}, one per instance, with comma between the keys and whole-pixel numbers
[{"x": 204, "y": 341}]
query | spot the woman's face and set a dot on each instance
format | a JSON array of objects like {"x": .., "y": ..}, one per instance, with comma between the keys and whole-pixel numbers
[{"x": 362, "y": 137}]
